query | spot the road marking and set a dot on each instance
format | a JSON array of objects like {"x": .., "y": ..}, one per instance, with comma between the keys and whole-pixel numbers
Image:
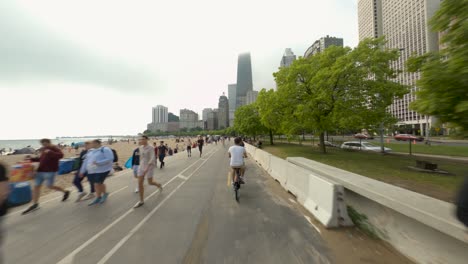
[
  {"x": 310, "y": 221},
  {"x": 69, "y": 258},
  {"x": 114, "y": 192},
  {"x": 292, "y": 201},
  {"x": 147, "y": 217},
  {"x": 182, "y": 177}
]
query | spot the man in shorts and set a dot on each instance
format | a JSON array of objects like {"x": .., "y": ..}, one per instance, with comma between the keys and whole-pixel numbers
[
  {"x": 237, "y": 154},
  {"x": 162, "y": 150},
  {"x": 200, "y": 144},
  {"x": 98, "y": 164},
  {"x": 48, "y": 168},
  {"x": 146, "y": 168}
]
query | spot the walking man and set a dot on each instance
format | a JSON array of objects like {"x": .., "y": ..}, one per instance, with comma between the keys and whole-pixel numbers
[
  {"x": 78, "y": 179},
  {"x": 98, "y": 164},
  {"x": 136, "y": 165},
  {"x": 162, "y": 150},
  {"x": 189, "y": 148},
  {"x": 48, "y": 167},
  {"x": 200, "y": 144},
  {"x": 146, "y": 168}
]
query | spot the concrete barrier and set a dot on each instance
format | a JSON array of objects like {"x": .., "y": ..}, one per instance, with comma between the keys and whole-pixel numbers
[
  {"x": 278, "y": 170},
  {"x": 263, "y": 158},
  {"x": 420, "y": 227}
]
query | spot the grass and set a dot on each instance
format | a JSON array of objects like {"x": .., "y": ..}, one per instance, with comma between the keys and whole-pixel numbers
[{"x": 392, "y": 169}]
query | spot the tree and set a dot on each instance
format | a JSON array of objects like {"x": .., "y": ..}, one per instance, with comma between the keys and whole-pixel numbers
[
  {"x": 247, "y": 121},
  {"x": 339, "y": 88},
  {"x": 443, "y": 84},
  {"x": 270, "y": 111},
  {"x": 172, "y": 117}
]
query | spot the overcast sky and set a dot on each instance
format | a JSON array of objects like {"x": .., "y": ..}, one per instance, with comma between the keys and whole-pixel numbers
[{"x": 97, "y": 67}]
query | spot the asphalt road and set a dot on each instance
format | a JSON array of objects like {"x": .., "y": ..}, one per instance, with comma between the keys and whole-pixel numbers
[{"x": 194, "y": 220}]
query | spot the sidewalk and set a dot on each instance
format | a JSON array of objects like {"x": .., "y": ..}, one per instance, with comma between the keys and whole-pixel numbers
[{"x": 453, "y": 158}]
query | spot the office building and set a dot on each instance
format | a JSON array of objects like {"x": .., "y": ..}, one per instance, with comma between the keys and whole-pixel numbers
[
  {"x": 288, "y": 58},
  {"x": 251, "y": 97},
  {"x": 244, "y": 78},
  {"x": 205, "y": 113},
  {"x": 188, "y": 119},
  {"x": 321, "y": 44},
  {"x": 160, "y": 114},
  {"x": 223, "y": 112},
  {"x": 164, "y": 127},
  {"x": 212, "y": 122},
  {"x": 405, "y": 25},
  {"x": 232, "y": 102}
]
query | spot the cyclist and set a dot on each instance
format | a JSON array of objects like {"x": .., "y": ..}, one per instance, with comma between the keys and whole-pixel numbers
[{"x": 237, "y": 154}]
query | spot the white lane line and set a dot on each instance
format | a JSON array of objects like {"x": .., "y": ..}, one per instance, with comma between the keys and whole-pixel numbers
[
  {"x": 310, "y": 222},
  {"x": 182, "y": 177},
  {"x": 69, "y": 258},
  {"x": 147, "y": 217},
  {"x": 292, "y": 201},
  {"x": 121, "y": 189}
]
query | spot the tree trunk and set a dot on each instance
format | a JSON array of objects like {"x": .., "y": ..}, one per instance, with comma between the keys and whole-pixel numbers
[
  {"x": 323, "y": 149},
  {"x": 271, "y": 137}
]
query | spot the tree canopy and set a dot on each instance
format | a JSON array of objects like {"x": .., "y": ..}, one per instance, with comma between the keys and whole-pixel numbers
[
  {"x": 443, "y": 86},
  {"x": 247, "y": 121}
]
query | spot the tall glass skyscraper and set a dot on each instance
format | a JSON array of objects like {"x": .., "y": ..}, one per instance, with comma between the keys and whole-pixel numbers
[{"x": 244, "y": 78}]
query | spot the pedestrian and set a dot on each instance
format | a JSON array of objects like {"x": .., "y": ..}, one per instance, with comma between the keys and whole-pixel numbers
[
  {"x": 200, "y": 144},
  {"x": 146, "y": 168},
  {"x": 462, "y": 203},
  {"x": 4, "y": 191},
  {"x": 189, "y": 148},
  {"x": 98, "y": 164},
  {"x": 48, "y": 160},
  {"x": 78, "y": 179},
  {"x": 155, "y": 146},
  {"x": 162, "y": 150},
  {"x": 136, "y": 165}
]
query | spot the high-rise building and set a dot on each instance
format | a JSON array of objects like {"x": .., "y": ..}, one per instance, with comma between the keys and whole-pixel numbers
[
  {"x": 251, "y": 97},
  {"x": 188, "y": 119},
  {"x": 288, "y": 58},
  {"x": 321, "y": 44},
  {"x": 232, "y": 102},
  {"x": 212, "y": 123},
  {"x": 160, "y": 114},
  {"x": 405, "y": 25},
  {"x": 205, "y": 113},
  {"x": 223, "y": 112},
  {"x": 244, "y": 78}
]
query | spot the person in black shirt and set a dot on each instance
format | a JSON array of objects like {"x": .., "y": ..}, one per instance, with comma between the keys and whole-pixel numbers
[
  {"x": 136, "y": 165},
  {"x": 77, "y": 180},
  {"x": 4, "y": 191},
  {"x": 200, "y": 142},
  {"x": 162, "y": 154}
]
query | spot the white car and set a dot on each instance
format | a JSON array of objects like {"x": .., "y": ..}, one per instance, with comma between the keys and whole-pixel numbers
[{"x": 366, "y": 146}]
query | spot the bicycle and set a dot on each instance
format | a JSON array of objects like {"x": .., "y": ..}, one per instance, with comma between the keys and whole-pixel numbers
[{"x": 237, "y": 183}]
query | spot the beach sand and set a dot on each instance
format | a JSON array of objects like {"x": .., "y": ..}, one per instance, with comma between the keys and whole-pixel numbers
[{"x": 124, "y": 152}]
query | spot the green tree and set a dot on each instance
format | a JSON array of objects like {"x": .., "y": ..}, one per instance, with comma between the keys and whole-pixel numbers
[
  {"x": 247, "y": 121},
  {"x": 339, "y": 88},
  {"x": 444, "y": 73},
  {"x": 270, "y": 111}
]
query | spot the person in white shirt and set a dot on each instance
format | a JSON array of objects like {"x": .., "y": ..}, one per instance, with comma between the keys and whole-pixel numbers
[
  {"x": 146, "y": 168},
  {"x": 237, "y": 154}
]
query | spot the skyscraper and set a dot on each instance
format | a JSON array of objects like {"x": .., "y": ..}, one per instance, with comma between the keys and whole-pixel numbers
[
  {"x": 405, "y": 25},
  {"x": 205, "y": 114},
  {"x": 223, "y": 112},
  {"x": 232, "y": 102},
  {"x": 160, "y": 114},
  {"x": 212, "y": 123},
  {"x": 288, "y": 58},
  {"x": 188, "y": 119},
  {"x": 244, "y": 78},
  {"x": 251, "y": 97},
  {"x": 321, "y": 44}
]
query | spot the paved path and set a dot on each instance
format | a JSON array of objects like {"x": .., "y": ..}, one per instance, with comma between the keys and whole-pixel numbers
[{"x": 194, "y": 220}]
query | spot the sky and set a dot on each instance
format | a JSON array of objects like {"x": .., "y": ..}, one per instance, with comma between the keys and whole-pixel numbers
[{"x": 97, "y": 67}]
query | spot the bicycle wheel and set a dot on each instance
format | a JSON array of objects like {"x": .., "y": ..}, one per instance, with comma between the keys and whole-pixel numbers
[{"x": 236, "y": 191}]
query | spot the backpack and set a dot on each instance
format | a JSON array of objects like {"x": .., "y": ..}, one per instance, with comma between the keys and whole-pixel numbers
[{"x": 116, "y": 158}]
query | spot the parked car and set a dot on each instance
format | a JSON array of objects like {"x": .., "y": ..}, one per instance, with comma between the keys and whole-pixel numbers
[
  {"x": 329, "y": 144},
  {"x": 363, "y": 136},
  {"x": 366, "y": 146},
  {"x": 406, "y": 137}
]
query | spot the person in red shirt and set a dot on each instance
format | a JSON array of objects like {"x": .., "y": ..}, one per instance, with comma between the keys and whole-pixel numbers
[{"x": 48, "y": 167}]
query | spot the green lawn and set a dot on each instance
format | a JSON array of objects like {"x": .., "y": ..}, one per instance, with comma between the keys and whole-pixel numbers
[
  {"x": 392, "y": 169},
  {"x": 426, "y": 149}
]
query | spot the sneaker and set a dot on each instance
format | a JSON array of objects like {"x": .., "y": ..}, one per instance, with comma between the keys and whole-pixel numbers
[
  {"x": 242, "y": 180},
  {"x": 31, "y": 208},
  {"x": 65, "y": 196},
  {"x": 139, "y": 204},
  {"x": 80, "y": 196},
  {"x": 104, "y": 198},
  {"x": 136, "y": 190},
  {"x": 160, "y": 187},
  {"x": 89, "y": 196},
  {"x": 96, "y": 201}
]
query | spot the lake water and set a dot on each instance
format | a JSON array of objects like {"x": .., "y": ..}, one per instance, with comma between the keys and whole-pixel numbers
[{"x": 22, "y": 143}]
